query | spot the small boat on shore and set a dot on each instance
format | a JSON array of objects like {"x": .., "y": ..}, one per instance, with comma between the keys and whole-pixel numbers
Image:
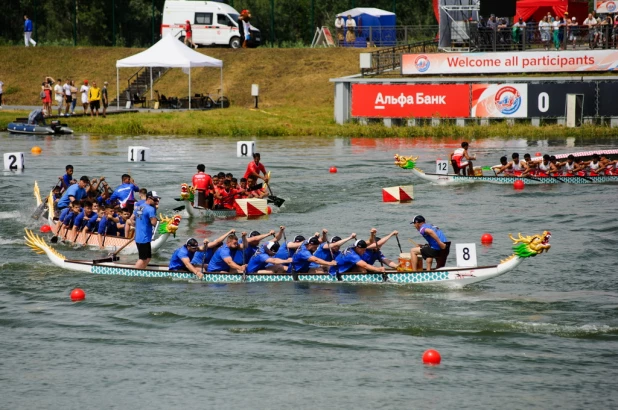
[
  {"x": 409, "y": 163},
  {"x": 450, "y": 277},
  {"x": 21, "y": 126}
]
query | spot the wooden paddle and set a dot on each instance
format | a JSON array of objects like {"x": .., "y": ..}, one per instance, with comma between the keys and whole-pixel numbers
[
  {"x": 332, "y": 258},
  {"x": 398, "y": 243},
  {"x": 275, "y": 199},
  {"x": 113, "y": 255}
]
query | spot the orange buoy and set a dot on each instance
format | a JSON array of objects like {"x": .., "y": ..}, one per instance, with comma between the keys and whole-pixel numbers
[
  {"x": 487, "y": 238},
  {"x": 538, "y": 154},
  {"x": 78, "y": 294},
  {"x": 36, "y": 150},
  {"x": 518, "y": 184},
  {"x": 45, "y": 228},
  {"x": 269, "y": 210},
  {"x": 432, "y": 357},
  {"x": 333, "y": 170}
]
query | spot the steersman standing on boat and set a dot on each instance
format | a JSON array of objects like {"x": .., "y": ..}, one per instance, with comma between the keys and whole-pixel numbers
[{"x": 145, "y": 221}]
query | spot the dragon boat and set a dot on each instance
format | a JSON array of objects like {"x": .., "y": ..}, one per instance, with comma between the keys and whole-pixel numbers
[
  {"x": 450, "y": 277},
  {"x": 242, "y": 207},
  {"x": 409, "y": 163},
  {"x": 165, "y": 227}
]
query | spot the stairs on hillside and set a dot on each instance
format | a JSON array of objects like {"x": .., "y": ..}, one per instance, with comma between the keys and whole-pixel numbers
[{"x": 139, "y": 83}]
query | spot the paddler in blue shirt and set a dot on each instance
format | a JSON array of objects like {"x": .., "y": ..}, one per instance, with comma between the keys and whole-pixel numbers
[
  {"x": 351, "y": 260},
  {"x": 263, "y": 261},
  {"x": 181, "y": 259},
  {"x": 304, "y": 256},
  {"x": 74, "y": 193},
  {"x": 85, "y": 221},
  {"x": 374, "y": 254},
  {"x": 329, "y": 250},
  {"x": 253, "y": 242},
  {"x": 204, "y": 256},
  {"x": 435, "y": 243},
  {"x": 228, "y": 258},
  {"x": 124, "y": 192}
]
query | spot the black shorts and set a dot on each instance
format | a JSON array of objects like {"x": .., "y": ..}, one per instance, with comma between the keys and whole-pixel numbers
[
  {"x": 144, "y": 250},
  {"x": 68, "y": 98},
  {"x": 429, "y": 252},
  {"x": 95, "y": 105}
]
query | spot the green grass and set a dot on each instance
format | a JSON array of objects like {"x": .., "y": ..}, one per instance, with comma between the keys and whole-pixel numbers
[{"x": 293, "y": 121}]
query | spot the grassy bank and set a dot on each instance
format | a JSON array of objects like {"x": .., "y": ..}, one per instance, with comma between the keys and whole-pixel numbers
[{"x": 294, "y": 121}]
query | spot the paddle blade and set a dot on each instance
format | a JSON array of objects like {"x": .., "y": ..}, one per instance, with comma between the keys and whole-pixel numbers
[
  {"x": 178, "y": 199},
  {"x": 38, "y": 211},
  {"x": 54, "y": 239},
  {"x": 180, "y": 208},
  {"x": 276, "y": 200}
]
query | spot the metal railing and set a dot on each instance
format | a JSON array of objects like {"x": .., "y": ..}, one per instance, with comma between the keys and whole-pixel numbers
[
  {"x": 385, "y": 36},
  {"x": 390, "y": 58}
]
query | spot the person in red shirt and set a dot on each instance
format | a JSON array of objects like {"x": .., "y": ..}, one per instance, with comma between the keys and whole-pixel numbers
[
  {"x": 253, "y": 191},
  {"x": 254, "y": 168},
  {"x": 225, "y": 197},
  {"x": 189, "y": 35},
  {"x": 202, "y": 182}
]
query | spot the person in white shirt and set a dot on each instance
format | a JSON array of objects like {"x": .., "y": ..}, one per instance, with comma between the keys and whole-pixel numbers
[
  {"x": 1, "y": 84},
  {"x": 84, "y": 92},
  {"x": 350, "y": 36},
  {"x": 339, "y": 26},
  {"x": 66, "y": 89},
  {"x": 544, "y": 28},
  {"x": 59, "y": 95},
  {"x": 593, "y": 34}
]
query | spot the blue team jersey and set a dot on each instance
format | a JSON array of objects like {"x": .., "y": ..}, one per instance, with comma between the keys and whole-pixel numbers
[
  {"x": 108, "y": 227},
  {"x": 74, "y": 191},
  {"x": 63, "y": 214},
  {"x": 300, "y": 260},
  {"x": 66, "y": 178},
  {"x": 143, "y": 227},
  {"x": 83, "y": 221},
  {"x": 257, "y": 262},
  {"x": 176, "y": 262},
  {"x": 284, "y": 252},
  {"x": 249, "y": 252},
  {"x": 203, "y": 258},
  {"x": 432, "y": 242},
  {"x": 371, "y": 256},
  {"x": 217, "y": 263},
  {"x": 69, "y": 219},
  {"x": 347, "y": 259},
  {"x": 124, "y": 194}
]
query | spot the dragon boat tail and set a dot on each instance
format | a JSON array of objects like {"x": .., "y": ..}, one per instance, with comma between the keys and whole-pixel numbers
[{"x": 523, "y": 248}]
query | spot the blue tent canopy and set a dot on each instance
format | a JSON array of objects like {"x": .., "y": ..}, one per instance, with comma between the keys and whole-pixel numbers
[{"x": 375, "y": 25}]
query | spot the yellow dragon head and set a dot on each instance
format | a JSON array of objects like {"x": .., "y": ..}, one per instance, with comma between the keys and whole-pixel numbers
[
  {"x": 169, "y": 225},
  {"x": 405, "y": 162},
  {"x": 527, "y": 246}
]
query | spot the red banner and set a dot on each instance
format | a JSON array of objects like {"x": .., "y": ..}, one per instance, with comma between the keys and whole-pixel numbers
[{"x": 411, "y": 101}]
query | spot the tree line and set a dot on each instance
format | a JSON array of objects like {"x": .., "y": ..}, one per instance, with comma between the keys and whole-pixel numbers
[{"x": 136, "y": 23}]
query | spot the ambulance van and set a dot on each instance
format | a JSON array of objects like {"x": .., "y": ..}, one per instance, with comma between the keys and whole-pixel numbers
[{"x": 212, "y": 23}]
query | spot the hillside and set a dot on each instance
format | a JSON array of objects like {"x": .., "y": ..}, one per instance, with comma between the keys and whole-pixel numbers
[{"x": 286, "y": 76}]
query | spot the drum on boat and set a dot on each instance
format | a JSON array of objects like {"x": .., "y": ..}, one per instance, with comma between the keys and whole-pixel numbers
[{"x": 405, "y": 262}]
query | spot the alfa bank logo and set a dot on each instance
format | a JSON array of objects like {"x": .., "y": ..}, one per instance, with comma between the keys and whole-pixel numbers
[
  {"x": 422, "y": 63},
  {"x": 507, "y": 100}
]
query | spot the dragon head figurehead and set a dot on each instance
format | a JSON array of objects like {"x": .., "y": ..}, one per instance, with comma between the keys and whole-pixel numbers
[
  {"x": 527, "y": 246},
  {"x": 169, "y": 225},
  {"x": 186, "y": 192},
  {"x": 405, "y": 162}
]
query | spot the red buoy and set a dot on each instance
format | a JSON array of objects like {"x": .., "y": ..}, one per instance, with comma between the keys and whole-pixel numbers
[
  {"x": 46, "y": 228},
  {"x": 487, "y": 238},
  {"x": 518, "y": 184},
  {"x": 431, "y": 357},
  {"x": 78, "y": 294},
  {"x": 538, "y": 154},
  {"x": 333, "y": 170},
  {"x": 269, "y": 210}
]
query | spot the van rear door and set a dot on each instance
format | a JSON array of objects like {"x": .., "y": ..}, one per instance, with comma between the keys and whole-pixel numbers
[
  {"x": 203, "y": 30},
  {"x": 226, "y": 29}
]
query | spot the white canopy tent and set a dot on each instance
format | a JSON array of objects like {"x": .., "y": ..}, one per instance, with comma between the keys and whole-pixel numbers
[{"x": 168, "y": 52}]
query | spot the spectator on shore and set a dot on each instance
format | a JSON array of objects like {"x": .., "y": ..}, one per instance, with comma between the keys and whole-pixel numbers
[
  {"x": 46, "y": 95},
  {"x": 73, "y": 97},
  {"x": 84, "y": 92},
  {"x": 28, "y": 31},
  {"x": 591, "y": 23},
  {"x": 350, "y": 36},
  {"x": 556, "y": 32},
  {"x": 189, "y": 35},
  {"x": 518, "y": 33},
  {"x": 545, "y": 30},
  {"x": 59, "y": 96},
  {"x": 492, "y": 23},
  {"x": 339, "y": 28},
  {"x": 104, "y": 98},
  {"x": 94, "y": 98},
  {"x": 573, "y": 31},
  {"x": 1, "y": 84},
  {"x": 66, "y": 89}
]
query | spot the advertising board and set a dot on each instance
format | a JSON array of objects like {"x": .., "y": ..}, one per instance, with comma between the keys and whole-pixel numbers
[
  {"x": 411, "y": 101},
  {"x": 499, "y": 101},
  {"x": 606, "y": 6},
  {"x": 548, "y": 100},
  {"x": 524, "y": 62}
]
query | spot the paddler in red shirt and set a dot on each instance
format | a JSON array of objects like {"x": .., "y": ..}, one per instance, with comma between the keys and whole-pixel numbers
[
  {"x": 254, "y": 168},
  {"x": 202, "y": 182},
  {"x": 224, "y": 197}
]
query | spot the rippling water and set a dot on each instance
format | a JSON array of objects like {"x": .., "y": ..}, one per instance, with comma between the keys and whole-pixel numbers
[{"x": 542, "y": 336}]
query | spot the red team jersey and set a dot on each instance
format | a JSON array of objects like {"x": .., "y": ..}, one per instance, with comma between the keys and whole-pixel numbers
[
  {"x": 202, "y": 181},
  {"x": 253, "y": 168}
]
